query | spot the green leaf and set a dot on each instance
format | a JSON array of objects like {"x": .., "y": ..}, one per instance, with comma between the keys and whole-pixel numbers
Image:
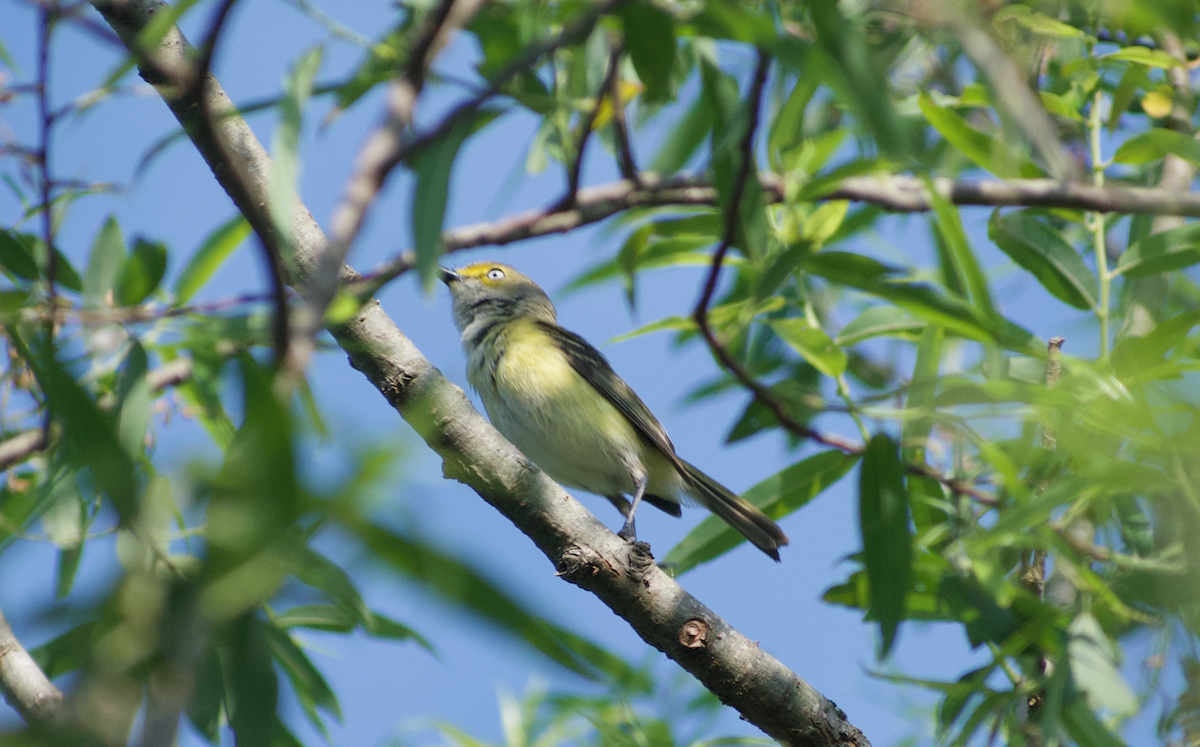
[
  {"x": 308, "y": 684},
  {"x": 104, "y": 263},
  {"x": 886, "y": 537},
  {"x": 1095, "y": 668},
  {"x": 141, "y": 272},
  {"x": 963, "y": 264},
  {"x": 650, "y": 40},
  {"x": 1164, "y": 251},
  {"x": 15, "y": 258},
  {"x": 89, "y": 430},
  {"x": 1152, "y": 145},
  {"x": 879, "y": 321},
  {"x": 685, "y": 139},
  {"x": 458, "y": 584},
  {"x": 215, "y": 249},
  {"x": 68, "y": 652},
  {"x": 68, "y": 566},
  {"x": 1132, "y": 79},
  {"x": 918, "y": 404},
  {"x": 253, "y": 684},
  {"x": 285, "y": 141},
  {"x": 787, "y": 128},
  {"x": 956, "y": 315},
  {"x": 1085, "y": 728},
  {"x": 432, "y": 167},
  {"x": 847, "y": 64},
  {"x": 777, "y": 496},
  {"x": 984, "y": 150},
  {"x": 1143, "y": 56},
  {"x": 1039, "y": 248},
  {"x": 812, "y": 344}
]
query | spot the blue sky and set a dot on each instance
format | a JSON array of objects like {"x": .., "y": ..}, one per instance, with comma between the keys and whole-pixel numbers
[{"x": 384, "y": 686}]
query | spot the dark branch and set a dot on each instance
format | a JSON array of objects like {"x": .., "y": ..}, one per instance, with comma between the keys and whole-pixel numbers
[{"x": 575, "y": 167}]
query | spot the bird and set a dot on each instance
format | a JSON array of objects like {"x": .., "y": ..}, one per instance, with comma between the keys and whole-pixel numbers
[{"x": 557, "y": 399}]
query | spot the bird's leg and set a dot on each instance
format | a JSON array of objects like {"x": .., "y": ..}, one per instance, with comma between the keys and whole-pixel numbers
[{"x": 629, "y": 532}]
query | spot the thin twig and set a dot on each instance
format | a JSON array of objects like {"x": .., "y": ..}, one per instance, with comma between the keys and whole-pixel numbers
[
  {"x": 625, "y": 159},
  {"x": 16, "y": 449},
  {"x": 575, "y": 167}
]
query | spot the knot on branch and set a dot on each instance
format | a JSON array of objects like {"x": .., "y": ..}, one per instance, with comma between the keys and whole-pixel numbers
[
  {"x": 395, "y": 387},
  {"x": 579, "y": 564},
  {"x": 694, "y": 633}
]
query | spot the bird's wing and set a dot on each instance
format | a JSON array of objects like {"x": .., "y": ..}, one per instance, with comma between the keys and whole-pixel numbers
[{"x": 589, "y": 363}]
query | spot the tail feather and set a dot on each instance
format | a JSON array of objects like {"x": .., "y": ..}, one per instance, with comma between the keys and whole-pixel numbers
[{"x": 736, "y": 511}]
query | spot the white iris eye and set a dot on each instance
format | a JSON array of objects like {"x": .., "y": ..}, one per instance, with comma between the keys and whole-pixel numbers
[{"x": 495, "y": 274}]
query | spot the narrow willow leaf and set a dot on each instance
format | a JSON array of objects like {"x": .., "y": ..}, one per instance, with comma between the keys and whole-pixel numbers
[
  {"x": 15, "y": 258},
  {"x": 432, "y": 166},
  {"x": 104, "y": 263},
  {"x": 253, "y": 684},
  {"x": 1152, "y": 145},
  {"x": 308, "y": 684},
  {"x": 984, "y": 150},
  {"x": 650, "y": 40},
  {"x": 965, "y": 267},
  {"x": 1168, "y": 250},
  {"x": 850, "y": 68},
  {"x": 1143, "y": 56},
  {"x": 463, "y": 586},
  {"x": 1039, "y": 248},
  {"x": 886, "y": 536},
  {"x": 213, "y": 252},
  {"x": 682, "y": 142},
  {"x": 880, "y": 321},
  {"x": 777, "y": 496},
  {"x": 918, "y": 405},
  {"x": 141, "y": 272},
  {"x": 812, "y": 344}
]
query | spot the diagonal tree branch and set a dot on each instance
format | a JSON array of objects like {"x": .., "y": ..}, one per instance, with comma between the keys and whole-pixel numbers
[
  {"x": 582, "y": 549},
  {"x": 26, "y": 687}
]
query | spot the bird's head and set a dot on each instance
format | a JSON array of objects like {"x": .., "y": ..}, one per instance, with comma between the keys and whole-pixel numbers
[{"x": 489, "y": 292}]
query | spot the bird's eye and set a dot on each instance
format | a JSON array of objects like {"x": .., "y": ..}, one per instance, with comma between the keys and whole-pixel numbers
[{"x": 495, "y": 274}]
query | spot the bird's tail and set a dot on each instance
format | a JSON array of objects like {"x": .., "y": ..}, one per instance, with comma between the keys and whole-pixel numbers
[{"x": 736, "y": 511}]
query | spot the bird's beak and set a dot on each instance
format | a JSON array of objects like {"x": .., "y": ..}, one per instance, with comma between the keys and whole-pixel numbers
[{"x": 448, "y": 276}]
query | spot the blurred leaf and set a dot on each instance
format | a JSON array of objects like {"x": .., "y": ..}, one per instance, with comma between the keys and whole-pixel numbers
[
  {"x": 432, "y": 166},
  {"x": 918, "y": 405},
  {"x": 141, "y": 272},
  {"x": 886, "y": 537},
  {"x": 1132, "y": 79},
  {"x": 777, "y": 496},
  {"x": 1164, "y": 251},
  {"x": 215, "y": 249},
  {"x": 68, "y": 566},
  {"x": 956, "y": 315},
  {"x": 1143, "y": 56},
  {"x": 1095, "y": 668},
  {"x": 208, "y": 695},
  {"x": 104, "y": 263},
  {"x": 285, "y": 142},
  {"x": 89, "y": 430},
  {"x": 308, "y": 684},
  {"x": 67, "y": 652},
  {"x": 985, "y": 151},
  {"x": 1151, "y": 145},
  {"x": 650, "y": 41},
  {"x": 458, "y": 584},
  {"x": 15, "y": 258},
  {"x": 688, "y": 135},
  {"x": 253, "y": 684},
  {"x": 787, "y": 127},
  {"x": 857, "y": 78},
  {"x": 812, "y": 344},
  {"x": 879, "y": 321},
  {"x": 1085, "y": 728},
  {"x": 1039, "y": 248},
  {"x": 963, "y": 264}
]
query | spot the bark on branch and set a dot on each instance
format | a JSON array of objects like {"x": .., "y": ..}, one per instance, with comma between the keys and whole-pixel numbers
[
  {"x": 25, "y": 685},
  {"x": 583, "y": 550},
  {"x": 898, "y": 194}
]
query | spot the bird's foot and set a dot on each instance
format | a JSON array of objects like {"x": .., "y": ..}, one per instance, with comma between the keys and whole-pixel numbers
[{"x": 628, "y": 532}]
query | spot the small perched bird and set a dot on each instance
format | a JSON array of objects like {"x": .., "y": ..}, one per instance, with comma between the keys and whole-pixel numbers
[{"x": 557, "y": 399}]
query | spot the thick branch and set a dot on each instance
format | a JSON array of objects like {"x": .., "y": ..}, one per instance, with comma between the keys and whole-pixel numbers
[
  {"x": 26, "y": 687},
  {"x": 583, "y": 550}
]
